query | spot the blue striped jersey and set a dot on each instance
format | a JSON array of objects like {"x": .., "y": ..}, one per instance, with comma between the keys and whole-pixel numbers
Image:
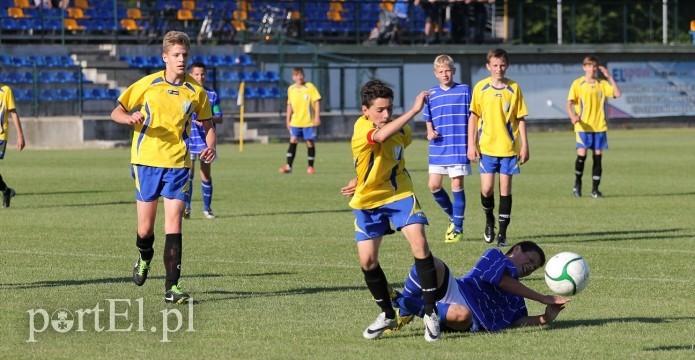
[
  {"x": 494, "y": 308},
  {"x": 448, "y": 111},
  {"x": 196, "y": 143}
]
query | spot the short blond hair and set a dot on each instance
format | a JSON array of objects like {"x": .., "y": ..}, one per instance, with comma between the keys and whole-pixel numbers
[
  {"x": 175, "y": 38},
  {"x": 443, "y": 60}
]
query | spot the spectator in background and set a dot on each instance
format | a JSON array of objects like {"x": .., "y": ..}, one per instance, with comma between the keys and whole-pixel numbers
[
  {"x": 459, "y": 19},
  {"x": 433, "y": 22},
  {"x": 479, "y": 10}
]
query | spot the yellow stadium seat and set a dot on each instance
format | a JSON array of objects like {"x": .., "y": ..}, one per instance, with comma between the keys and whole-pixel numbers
[
  {"x": 240, "y": 25},
  {"x": 386, "y": 5},
  {"x": 240, "y": 15},
  {"x": 82, "y": 4},
  {"x": 76, "y": 13},
  {"x": 334, "y": 16},
  {"x": 134, "y": 13},
  {"x": 188, "y": 5},
  {"x": 129, "y": 24},
  {"x": 692, "y": 25},
  {"x": 71, "y": 24},
  {"x": 15, "y": 12},
  {"x": 335, "y": 6},
  {"x": 22, "y": 4},
  {"x": 184, "y": 15}
]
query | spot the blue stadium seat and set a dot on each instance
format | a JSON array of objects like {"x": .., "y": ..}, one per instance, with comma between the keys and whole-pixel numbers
[
  {"x": 244, "y": 60},
  {"x": 113, "y": 94},
  {"x": 100, "y": 93},
  {"x": 272, "y": 76},
  {"x": 87, "y": 94},
  {"x": 255, "y": 76},
  {"x": 48, "y": 95},
  {"x": 229, "y": 92},
  {"x": 23, "y": 95},
  {"x": 250, "y": 93},
  {"x": 13, "y": 77},
  {"x": 63, "y": 77},
  {"x": 46, "y": 77},
  {"x": 67, "y": 94},
  {"x": 274, "y": 92},
  {"x": 5, "y": 60}
]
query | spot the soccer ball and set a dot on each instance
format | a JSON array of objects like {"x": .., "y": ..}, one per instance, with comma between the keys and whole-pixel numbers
[{"x": 566, "y": 273}]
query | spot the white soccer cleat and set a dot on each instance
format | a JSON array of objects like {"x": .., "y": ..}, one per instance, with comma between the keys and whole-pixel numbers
[
  {"x": 208, "y": 214},
  {"x": 380, "y": 325},
  {"x": 432, "y": 331}
]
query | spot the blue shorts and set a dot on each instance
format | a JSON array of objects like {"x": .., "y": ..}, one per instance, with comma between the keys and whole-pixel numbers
[
  {"x": 592, "y": 141},
  {"x": 507, "y": 165},
  {"x": 376, "y": 222},
  {"x": 306, "y": 133},
  {"x": 3, "y": 146},
  {"x": 153, "y": 182}
]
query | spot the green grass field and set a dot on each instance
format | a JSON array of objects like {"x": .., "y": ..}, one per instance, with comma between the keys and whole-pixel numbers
[{"x": 276, "y": 276}]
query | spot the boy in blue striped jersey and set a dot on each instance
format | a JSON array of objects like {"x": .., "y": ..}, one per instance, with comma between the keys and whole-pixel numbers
[
  {"x": 489, "y": 298},
  {"x": 446, "y": 115}
]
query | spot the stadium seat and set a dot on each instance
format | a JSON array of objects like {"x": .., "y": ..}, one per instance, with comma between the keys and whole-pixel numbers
[
  {"x": 229, "y": 92},
  {"x": 72, "y": 25},
  {"x": 250, "y": 93},
  {"x": 274, "y": 92},
  {"x": 15, "y": 12},
  {"x": 87, "y": 94},
  {"x": 130, "y": 25},
  {"x": 134, "y": 13},
  {"x": 76, "y": 13},
  {"x": 22, "y": 4},
  {"x": 272, "y": 76},
  {"x": 67, "y": 94},
  {"x": 48, "y": 95},
  {"x": 184, "y": 15},
  {"x": 47, "y": 77},
  {"x": 255, "y": 76},
  {"x": 113, "y": 93},
  {"x": 82, "y": 4},
  {"x": 244, "y": 60},
  {"x": 188, "y": 5},
  {"x": 63, "y": 77}
]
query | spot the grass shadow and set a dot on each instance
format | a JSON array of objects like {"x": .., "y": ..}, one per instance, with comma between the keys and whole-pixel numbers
[{"x": 114, "y": 280}]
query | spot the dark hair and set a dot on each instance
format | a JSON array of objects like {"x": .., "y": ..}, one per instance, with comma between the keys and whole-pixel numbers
[
  {"x": 527, "y": 246},
  {"x": 298, "y": 70},
  {"x": 198, "y": 64},
  {"x": 497, "y": 53},
  {"x": 590, "y": 60},
  {"x": 373, "y": 90}
]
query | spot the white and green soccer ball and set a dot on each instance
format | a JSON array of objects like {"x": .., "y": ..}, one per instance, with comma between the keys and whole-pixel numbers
[{"x": 566, "y": 273}]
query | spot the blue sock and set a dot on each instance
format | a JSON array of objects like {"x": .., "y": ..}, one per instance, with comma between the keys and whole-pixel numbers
[
  {"x": 459, "y": 208},
  {"x": 189, "y": 192},
  {"x": 442, "y": 198},
  {"x": 207, "y": 194}
]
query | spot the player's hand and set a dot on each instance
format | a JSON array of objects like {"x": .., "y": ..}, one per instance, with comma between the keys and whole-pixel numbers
[
  {"x": 420, "y": 101},
  {"x": 554, "y": 300},
  {"x": 473, "y": 154},
  {"x": 431, "y": 135},
  {"x": 604, "y": 71},
  {"x": 136, "y": 118},
  {"x": 208, "y": 155},
  {"x": 349, "y": 189},
  {"x": 524, "y": 155},
  {"x": 317, "y": 122},
  {"x": 20, "y": 143},
  {"x": 574, "y": 119}
]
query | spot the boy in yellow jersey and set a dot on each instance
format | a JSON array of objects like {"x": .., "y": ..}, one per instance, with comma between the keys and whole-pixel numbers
[
  {"x": 160, "y": 109},
  {"x": 586, "y": 106},
  {"x": 7, "y": 109},
  {"x": 303, "y": 117},
  {"x": 382, "y": 194},
  {"x": 497, "y": 137}
]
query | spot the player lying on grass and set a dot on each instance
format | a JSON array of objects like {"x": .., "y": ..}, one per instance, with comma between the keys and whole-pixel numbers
[{"x": 490, "y": 297}]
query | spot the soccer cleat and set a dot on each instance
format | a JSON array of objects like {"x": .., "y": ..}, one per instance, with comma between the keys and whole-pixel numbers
[
  {"x": 208, "y": 214},
  {"x": 142, "y": 267},
  {"x": 501, "y": 240},
  {"x": 449, "y": 230},
  {"x": 577, "y": 189},
  {"x": 401, "y": 321},
  {"x": 432, "y": 332},
  {"x": 454, "y": 236},
  {"x": 285, "y": 169},
  {"x": 596, "y": 194},
  {"x": 7, "y": 195},
  {"x": 187, "y": 214},
  {"x": 489, "y": 234},
  {"x": 379, "y": 325},
  {"x": 310, "y": 170},
  {"x": 175, "y": 295}
]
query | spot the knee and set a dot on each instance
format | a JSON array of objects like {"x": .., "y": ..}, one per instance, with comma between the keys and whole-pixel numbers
[{"x": 434, "y": 187}]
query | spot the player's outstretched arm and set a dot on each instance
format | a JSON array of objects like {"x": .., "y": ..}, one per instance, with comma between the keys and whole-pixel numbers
[
  {"x": 394, "y": 126},
  {"x": 515, "y": 287}
]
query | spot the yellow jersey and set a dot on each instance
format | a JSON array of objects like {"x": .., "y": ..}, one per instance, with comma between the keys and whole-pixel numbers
[
  {"x": 6, "y": 105},
  {"x": 302, "y": 98},
  {"x": 160, "y": 141},
  {"x": 381, "y": 174},
  {"x": 498, "y": 111},
  {"x": 590, "y": 103}
]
